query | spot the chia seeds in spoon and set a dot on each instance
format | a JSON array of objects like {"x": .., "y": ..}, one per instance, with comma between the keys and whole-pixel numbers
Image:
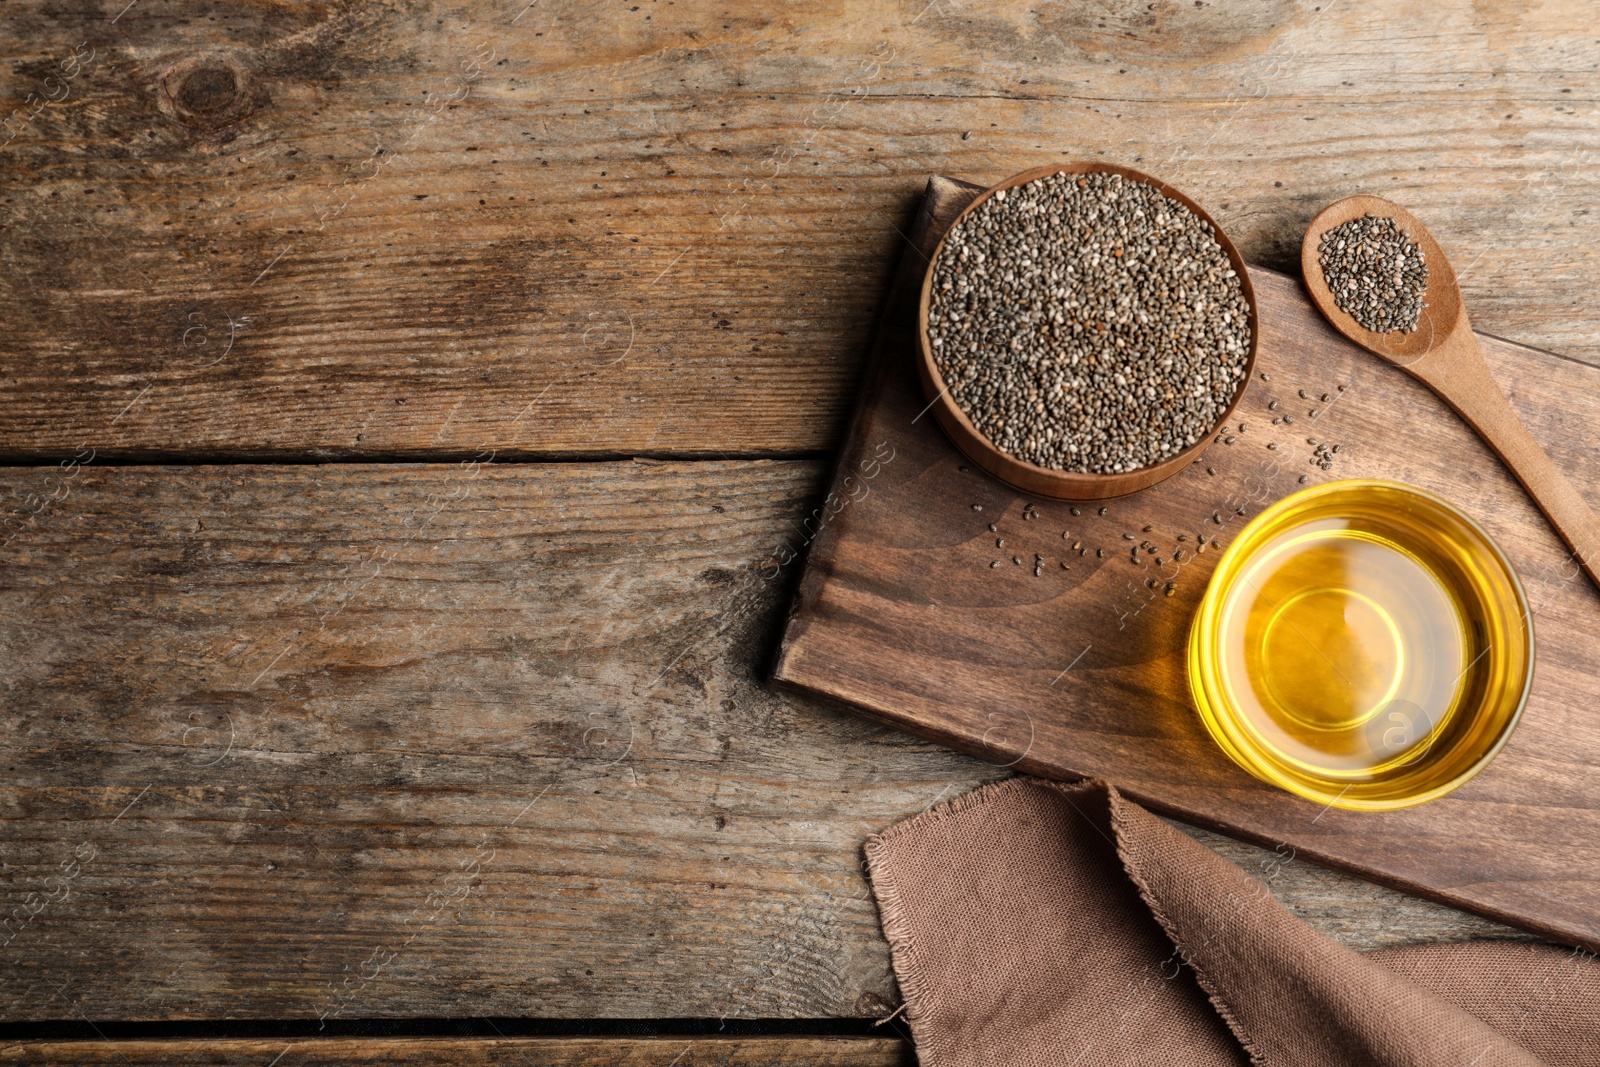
[
  {"x": 1088, "y": 323},
  {"x": 1377, "y": 274}
]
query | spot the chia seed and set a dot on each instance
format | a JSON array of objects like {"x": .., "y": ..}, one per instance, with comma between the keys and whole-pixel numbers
[{"x": 1088, "y": 323}]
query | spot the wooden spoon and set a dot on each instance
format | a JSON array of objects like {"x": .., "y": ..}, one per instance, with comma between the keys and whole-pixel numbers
[{"x": 1442, "y": 353}]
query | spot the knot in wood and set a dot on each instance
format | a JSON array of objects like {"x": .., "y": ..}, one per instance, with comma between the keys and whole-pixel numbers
[{"x": 208, "y": 93}]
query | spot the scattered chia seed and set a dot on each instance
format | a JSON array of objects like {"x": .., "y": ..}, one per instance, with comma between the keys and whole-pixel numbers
[
  {"x": 996, "y": 563},
  {"x": 1304, "y": 478},
  {"x": 1377, "y": 274},
  {"x": 1102, "y": 511},
  {"x": 993, "y": 527},
  {"x": 1211, "y": 470},
  {"x": 1302, "y": 394},
  {"x": 1088, "y": 323},
  {"x": 1075, "y": 511}
]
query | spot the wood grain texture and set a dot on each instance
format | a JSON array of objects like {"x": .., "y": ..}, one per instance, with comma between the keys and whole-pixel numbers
[
  {"x": 273, "y": 734},
  {"x": 358, "y": 228},
  {"x": 430, "y": 741},
  {"x": 1079, "y": 669},
  {"x": 477, "y": 1052}
]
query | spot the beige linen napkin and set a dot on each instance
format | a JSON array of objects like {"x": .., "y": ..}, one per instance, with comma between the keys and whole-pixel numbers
[{"x": 1036, "y": 923}]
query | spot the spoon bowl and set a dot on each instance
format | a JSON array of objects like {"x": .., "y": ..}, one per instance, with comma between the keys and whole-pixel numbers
[
  {"x": 1443, "y": 354},
  {"x": 1443, "y": 311}
]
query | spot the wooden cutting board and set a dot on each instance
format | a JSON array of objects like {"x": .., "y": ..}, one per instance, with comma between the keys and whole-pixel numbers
[{"x": 902, "y": 615}]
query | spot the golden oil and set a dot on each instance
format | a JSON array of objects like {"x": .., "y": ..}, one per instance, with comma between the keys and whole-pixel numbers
[{"x": 1362, "y": 644}]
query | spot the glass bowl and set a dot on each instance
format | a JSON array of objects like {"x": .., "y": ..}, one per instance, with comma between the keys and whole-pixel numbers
[{"x": 1364, "y": 645}]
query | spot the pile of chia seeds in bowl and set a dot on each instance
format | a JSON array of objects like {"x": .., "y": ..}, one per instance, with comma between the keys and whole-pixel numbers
[{"x": 1088, "y": 323}]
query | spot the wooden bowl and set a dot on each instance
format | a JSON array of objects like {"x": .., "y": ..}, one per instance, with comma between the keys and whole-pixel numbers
[{"x": 1043, "y": 481}]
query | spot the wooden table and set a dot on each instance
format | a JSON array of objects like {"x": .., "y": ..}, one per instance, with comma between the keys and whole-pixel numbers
[{"x": 403, "y": 406}]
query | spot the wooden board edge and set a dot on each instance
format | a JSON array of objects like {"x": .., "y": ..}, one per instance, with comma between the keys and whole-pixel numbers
[
  {"x": 964, "y": 744},
  {"x": 817, "y": 560}
]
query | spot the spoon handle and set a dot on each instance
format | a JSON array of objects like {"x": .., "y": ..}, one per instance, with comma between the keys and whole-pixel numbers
[{"x": 1457, "y": 372}]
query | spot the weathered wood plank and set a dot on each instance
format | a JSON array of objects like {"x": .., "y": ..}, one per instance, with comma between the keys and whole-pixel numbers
[
  {"x": 363, "y": 741},
  {"x": 478, "y": 1052},
  {"x": 366, "y": 229}
]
